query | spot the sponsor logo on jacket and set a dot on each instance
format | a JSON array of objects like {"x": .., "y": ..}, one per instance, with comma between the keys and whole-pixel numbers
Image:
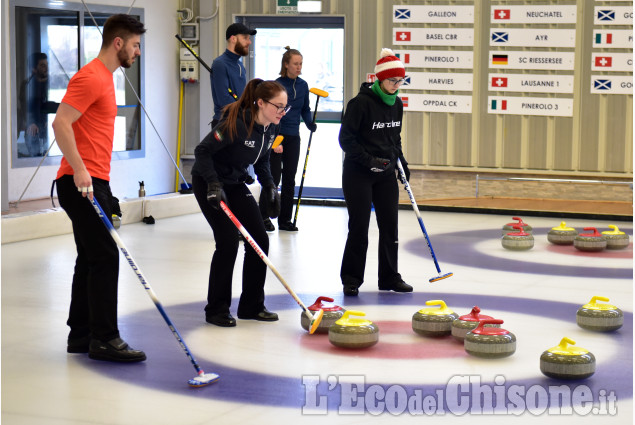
[
  {"x": 250, "y": 143},
  {"x": 377, "y": 125}
]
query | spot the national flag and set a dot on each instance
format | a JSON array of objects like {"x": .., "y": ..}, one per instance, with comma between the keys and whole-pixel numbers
[
  {"x": 402, "y": 13},
  {"x": 218, "y": 135},
  {"x": 402, "y": 36},
  {"x": 497, "y": 105},
  {"x": 606, "y": 15},
  {"x": 602, "y": 84},
  {"x": 405, "y": 58},
  {"x": 499, "y": 82},
  {"x": 404, "y": 100},
  {"x": 606, "y": 38},
  {"x": 500, "y": 14},
  {"x": 500, "y": 60},
  {"x": 406, "y": 80},
  {"x": 370, "y": 78},
  {"x": 500, "y": 37},
  {"x": 604, "y": 61}
]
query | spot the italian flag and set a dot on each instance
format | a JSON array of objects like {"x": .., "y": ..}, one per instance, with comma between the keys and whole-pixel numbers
[
  {"x": 499, "y": 105},
  {"x": 604, "y": 38}
]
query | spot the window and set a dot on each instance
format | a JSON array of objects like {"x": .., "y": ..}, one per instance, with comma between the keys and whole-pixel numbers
[{"x": 49, "y": 45}]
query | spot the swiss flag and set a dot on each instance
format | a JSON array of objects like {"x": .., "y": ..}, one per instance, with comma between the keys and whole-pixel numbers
[
  {"x": 604, "y": 61},
  {"x": 501, "y": 14},
  {"x": 404, "y": 100},
  {"x": 499, "y": 82},
  {"x": 402, "y": 36}
]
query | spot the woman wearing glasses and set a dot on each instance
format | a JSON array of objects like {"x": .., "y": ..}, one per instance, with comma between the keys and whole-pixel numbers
[
  {"x": 284, "y": 158},
  {"x": 370, "y": 137},
  {"x": 243, "y": 136}
]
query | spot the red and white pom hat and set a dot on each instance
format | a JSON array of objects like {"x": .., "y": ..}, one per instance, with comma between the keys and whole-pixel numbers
[{"x": 389, "y": 66}]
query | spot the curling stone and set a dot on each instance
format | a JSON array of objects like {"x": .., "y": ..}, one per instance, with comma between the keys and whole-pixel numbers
[
  {"x": 465, "y": 323},
  {"x": 348, "y": 332},
  {"x": 615, "y": 239},
  {"x": 567, "y": 362},
  {"x": 590, "y": 242},
  {"x": 116, "y": 221},
  {"x": 434, "y": 321},
  {"x": 519, "y": 240},
  {"x": 491, "y": 343},
  {"x": 509, "y": 227},
  {"x": 562, "y": 235},
  {"x": 331, "y": 314},
  {"x": 599, "y": 317}
]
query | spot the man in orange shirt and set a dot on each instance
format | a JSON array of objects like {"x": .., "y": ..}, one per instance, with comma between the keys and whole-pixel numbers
[{"x": 84, "y": 128}]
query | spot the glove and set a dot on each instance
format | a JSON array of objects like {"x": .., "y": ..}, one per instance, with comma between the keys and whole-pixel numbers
[
  {"x": 406, "y": 171},
  {"x": 269, "y": 201},
  {"x": 312, "y": 127},
  {"x": 249, "y": 179},
  {"x": 379, "y": 165},
  {"x": 215, "y": 194}
]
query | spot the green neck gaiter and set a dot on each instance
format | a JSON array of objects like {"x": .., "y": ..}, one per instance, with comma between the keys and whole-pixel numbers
[{"x": 388, "y": 99}]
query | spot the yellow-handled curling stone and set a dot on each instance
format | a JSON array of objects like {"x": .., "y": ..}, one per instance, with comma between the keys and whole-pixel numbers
[
  {"x": 567, "y": 362},
  {"x": 615, "y": 239},
  {"x": 509, "y": 227},
  {"x": 599, "y": 317},
  {"x": 331, "y": 314},
  {"x": 349, "y": 332},
  {"x": 434, "y": 321},
  {"x": 519, "y": 240},
  {"x": 491, "y": 343},
  {"x": 467, "y": 322},
  {"x": 590, "y": 242},
  {"x": 562, "y": 235}
]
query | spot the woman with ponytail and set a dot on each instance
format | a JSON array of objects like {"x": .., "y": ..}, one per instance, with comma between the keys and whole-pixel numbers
[{"x": 242, "y": 137}]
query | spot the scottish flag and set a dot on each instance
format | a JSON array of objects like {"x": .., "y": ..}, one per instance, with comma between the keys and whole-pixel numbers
[
  {"x": 500, "y": 37},
  {"x": 606, "y": 15},
  {"x": 402, "y": 13},
  {"x": 601, "y": 84}
]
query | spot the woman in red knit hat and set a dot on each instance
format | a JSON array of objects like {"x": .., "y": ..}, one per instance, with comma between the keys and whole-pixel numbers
[{"x": 370, "y": 137}]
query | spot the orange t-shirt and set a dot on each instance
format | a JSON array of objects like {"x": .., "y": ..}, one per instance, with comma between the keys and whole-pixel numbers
[{"x": 92, "y": 92}]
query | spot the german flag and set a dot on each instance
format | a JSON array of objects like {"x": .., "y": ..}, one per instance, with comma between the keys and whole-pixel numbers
[{"x": 499, "y": 60}]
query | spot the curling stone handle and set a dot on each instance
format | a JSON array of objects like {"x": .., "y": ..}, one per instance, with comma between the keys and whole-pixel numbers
[
  {"x": 437, "y": 302},
  {"x": 349, "y": 313},
  {"x": 327, "y": 299},
  {"x": 594, "y": 230},
  {"x": 475, "y": 311},
  {"x": 564, "y": 341},
  {"x": 598, "y": 298},
  {"x": 520, "y": 220},
  {"x": 484, "y": 322}
]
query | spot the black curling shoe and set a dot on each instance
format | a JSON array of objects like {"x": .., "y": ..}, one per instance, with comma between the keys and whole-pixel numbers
[
  {"x": 399, "y": 286},
  {"x": 115, "y": 350},
  {"x": 263, "y": 316},
  {"x": 287, "y": 226},
  {"x": 269, "y": 227},
  {"x": 221, "y": 319},
  {"x": 78, "y": 345},
  {"x": 351, "y": 290}
]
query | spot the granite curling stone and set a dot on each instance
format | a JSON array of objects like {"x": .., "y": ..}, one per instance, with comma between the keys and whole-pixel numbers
[
  {"x": 434, "y": 321},
  {"x": 599, "y": 317},
  {"x": 467, "y": 322},
  {"x": 567, "y": 362},
  {"x": 331, "y": 314},
  {"x": 615, "y": 239},
  {"x": 491, "y": 343},
  {"x": 348, "y": 332},
  {"x": 562, "y": 235},
  {"x": 518, "y": 241},
  {"x": 590, "y": 242},
  {"x": 509, "y": 227}
]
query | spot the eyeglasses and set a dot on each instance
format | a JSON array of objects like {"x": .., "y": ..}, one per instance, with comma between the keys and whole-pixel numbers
[
  {"x": 396, "y": 81},
  {"x": 280, "y": 109}
]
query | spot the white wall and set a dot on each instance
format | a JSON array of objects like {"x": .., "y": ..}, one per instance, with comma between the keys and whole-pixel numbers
[{"x": 161, "y": 102}]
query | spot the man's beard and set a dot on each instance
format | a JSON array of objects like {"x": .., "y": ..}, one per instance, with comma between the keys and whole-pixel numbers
[
  {"x": 241, "y": 49},
  {"x": 124, "y": 60}
]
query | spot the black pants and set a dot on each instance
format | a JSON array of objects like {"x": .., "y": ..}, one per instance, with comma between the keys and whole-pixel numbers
[
  {"x": 285, "y": 164},
  {"x": 363, "y": 188},
  {"x": 244, "y": 206},
  {"x": 93, "y": 309}
]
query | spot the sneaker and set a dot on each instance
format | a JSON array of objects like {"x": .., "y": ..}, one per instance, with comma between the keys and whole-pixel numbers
[
  {"x": 398, "y": 286},
  {"x": 269, "y": 227},
  {"x": 287, "y": 226},
  {"x": 115, "y": 350}
]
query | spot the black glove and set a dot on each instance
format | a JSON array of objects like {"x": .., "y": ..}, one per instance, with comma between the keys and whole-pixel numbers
[
  {"x": 215, "y": 194},
  {"x": 269, "y": 201},
  {"x": 406, "y": 171},
  {"x": 312, "y": 127},
  {"x": 378, "y": 165}
]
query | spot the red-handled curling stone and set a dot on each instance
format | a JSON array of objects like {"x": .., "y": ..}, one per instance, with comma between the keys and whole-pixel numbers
[
  {"x": 331, "y": 314},
  {"x": 519, "y": 240},
  {"x": 599, "y": 317},
  {"x": 467, "y": 322},
  {"x": 434, "y": 321},
  {"x": 590, "y": 242},
  {"x": 567, "y": 362},
  {"x": 509, "y": 227},
  {"x": 490, "y": 343}
]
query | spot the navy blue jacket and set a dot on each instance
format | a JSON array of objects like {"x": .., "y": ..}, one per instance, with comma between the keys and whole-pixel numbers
[
  {"x": 298, "y": 98},
  {"x": 228, "y": 72},
  {"x": 221, "y": 158}
]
